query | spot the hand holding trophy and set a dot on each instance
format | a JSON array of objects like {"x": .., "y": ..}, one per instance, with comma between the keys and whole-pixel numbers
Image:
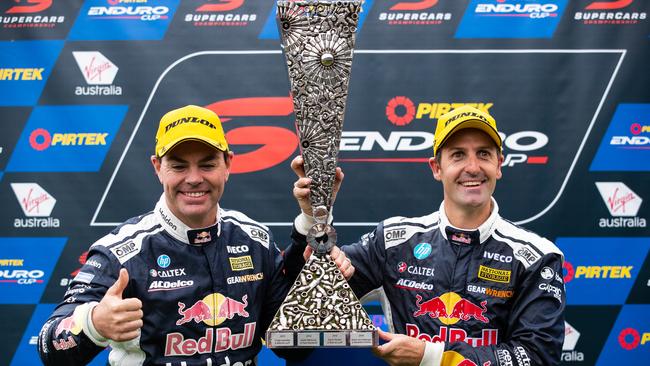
[{"x": 321, "y": 310}]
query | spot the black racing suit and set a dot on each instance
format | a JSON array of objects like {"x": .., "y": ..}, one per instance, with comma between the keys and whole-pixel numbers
[
  {"x": 494, "y": 296},
  {"x": 208, "y": 295}
]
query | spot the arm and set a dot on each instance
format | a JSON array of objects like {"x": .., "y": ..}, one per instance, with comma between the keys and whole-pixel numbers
[
  {"x": 91, "y": 313},
  {"x": 535, "y": 324}
]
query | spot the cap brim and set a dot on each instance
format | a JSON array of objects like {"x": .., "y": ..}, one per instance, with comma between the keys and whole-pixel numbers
[
  {"x": 474, "y": 123},
  {"x": 170, "y": 146}
]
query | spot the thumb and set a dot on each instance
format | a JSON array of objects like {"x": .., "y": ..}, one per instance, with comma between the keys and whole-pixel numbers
[
  {"x": 386, "y": 336},
  {"x": 119, "y": 285}
]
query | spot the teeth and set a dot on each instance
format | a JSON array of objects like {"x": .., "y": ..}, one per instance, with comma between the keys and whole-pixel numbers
[
  {"x": 471, "y": 184},
  {"x": 194, "y": 194}
]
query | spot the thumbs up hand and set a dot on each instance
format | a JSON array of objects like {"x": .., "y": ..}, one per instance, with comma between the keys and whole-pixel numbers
[{"x": 117, "y": 318}]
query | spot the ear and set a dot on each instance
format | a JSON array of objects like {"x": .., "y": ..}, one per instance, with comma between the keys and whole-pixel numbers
[
  {"x": 435, "y": 168},
  {"x": 156, "y": 162},
  {"x": 500, "y": 162},
  {"x": 231, "y": 155}
]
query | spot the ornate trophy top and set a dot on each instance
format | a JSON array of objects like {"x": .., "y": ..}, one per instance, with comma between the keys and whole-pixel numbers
[{"x": 318, "y": 40}]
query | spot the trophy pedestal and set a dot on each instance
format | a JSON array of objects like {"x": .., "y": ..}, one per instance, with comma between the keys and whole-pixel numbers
[{"x": 321, "y": 311}]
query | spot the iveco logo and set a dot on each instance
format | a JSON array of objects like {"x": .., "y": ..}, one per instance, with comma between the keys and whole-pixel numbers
[{"x": 238, "y": 249}]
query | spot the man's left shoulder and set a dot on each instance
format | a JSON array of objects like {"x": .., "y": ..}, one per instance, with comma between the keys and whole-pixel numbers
[
  {"x": 254, "y": 230},
  {"x": 527, "y": 246}
]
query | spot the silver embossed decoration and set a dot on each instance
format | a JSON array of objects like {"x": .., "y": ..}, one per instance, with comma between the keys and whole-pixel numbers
[{"x": 321, "y": 310}]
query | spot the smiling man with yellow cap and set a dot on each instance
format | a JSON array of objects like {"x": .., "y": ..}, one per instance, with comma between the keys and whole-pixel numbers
[
  {"x": 460, "y": 286},
  {"x": 187, "y": 283}
]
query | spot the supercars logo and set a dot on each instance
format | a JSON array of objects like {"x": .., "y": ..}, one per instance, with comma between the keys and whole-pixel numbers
[
  {"x": 413, "y": 13},
  {"x": 220, "y": 13},
  {"x": 29, "y": 6},
  {"x": 610, "y": 12}
]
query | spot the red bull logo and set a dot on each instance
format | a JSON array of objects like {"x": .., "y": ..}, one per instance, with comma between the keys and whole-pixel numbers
[
  {"x": 450, "y": 308},
  {"x": 213, "y": 309},
  {"x": 214, "y": 340},
  {"x": 451, "y": 335},
  {"x": 67, "y": 325},
  {"x": 202, "y": 237}
]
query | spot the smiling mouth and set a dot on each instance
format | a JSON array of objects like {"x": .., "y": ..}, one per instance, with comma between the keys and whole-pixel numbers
[
  {"x": 194, "y": 194},
  {"x": 472, "y": 183}
]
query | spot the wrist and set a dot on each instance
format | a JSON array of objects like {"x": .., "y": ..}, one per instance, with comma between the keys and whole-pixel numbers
[
  {"x": 432, "y": 353},
  {"x": 89, "y": 326}
]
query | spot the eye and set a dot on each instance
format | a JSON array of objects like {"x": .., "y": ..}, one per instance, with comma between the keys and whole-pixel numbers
[{"x": 484, "y": 154}]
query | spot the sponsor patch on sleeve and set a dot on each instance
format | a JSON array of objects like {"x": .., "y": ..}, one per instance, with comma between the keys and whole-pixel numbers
[{"x": 241, "y": 263}]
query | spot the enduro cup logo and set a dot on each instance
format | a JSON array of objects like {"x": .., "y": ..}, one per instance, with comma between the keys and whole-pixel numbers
[
  {"x": 24, "y": 270},
  {"x": 615, "y": 12},
  {"x": 123, "y": 20},
  {"x": 622, "y": 203},
  {"x": 36, "y": 204},
  {"x": 511, "y": 19},
  {"x": 98, "y": 71},
  {"x": 222, "y": 14},
  {"x": 414, "y": 13},
  {"x": 626, "y": 144}
]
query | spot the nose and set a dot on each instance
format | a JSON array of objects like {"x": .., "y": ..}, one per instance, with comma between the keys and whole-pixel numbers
[
  {"x": 472, "y": 165},
  {"x": 194, "y": 176}
]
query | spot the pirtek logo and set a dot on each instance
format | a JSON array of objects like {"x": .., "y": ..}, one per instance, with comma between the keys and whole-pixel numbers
[
  {"x": 19, "y": 73},
  {"x": 636, "y": 339},
  {"x": 591, "y": 272},
  {"x": 41, "y": 139},
  {"x": 189, "y": 120}
]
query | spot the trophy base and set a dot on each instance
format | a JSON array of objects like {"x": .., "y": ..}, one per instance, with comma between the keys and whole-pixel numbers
[{"x": 321, "y": 338}]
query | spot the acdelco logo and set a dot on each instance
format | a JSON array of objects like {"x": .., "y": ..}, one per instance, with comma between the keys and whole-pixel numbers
[
  {"x": 41, "y": 139},
  {"x": 23, "y": 74}
]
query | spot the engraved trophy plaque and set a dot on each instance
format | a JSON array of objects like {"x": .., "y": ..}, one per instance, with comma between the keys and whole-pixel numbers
[{"x": 321, "y": 310}]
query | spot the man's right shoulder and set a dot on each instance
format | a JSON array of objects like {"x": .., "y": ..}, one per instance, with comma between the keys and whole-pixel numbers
[
  {"x": 125, "y": 241},
  {"x": 399, "y": 229}
]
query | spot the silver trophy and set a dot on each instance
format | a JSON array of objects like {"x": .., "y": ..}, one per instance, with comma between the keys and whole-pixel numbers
[{"x": 318, "y": 41}]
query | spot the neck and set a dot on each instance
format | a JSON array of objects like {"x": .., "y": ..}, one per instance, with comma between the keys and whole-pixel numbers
[{"x": 468, "y": 218}]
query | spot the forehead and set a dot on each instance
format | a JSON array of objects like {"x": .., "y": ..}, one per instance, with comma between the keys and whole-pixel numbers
[
  {"x": 192, "y": 150},
  {"x": 469, "y": 137}
]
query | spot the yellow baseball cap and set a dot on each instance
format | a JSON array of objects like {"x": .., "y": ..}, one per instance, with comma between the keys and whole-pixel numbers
[
  {"x": 461, "y": 118},
  {"x": 189, "y": 123}
]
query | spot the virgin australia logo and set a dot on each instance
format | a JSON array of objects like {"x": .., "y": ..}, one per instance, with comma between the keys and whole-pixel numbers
[
  {"x": 99, "y": 73},
  {"x": 623, "y": 204}
]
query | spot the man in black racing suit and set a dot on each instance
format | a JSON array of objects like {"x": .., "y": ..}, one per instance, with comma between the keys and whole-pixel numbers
[
  {"x": 189, "y": 283},
  {"x": 461, "y": 286}
]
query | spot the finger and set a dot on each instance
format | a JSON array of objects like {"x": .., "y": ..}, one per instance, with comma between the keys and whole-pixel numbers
[
  {"x": 121, "y": 337},
  {"x": 307, "y": 253},
  {"x": 132, "y": 325},
  {"x": 339, "y": 175},
  {"x": 298, "y": 166},
  {"x": 386, "y": 336},
  {"x": 118, "y": 287},
  {"x": 348, "y": 272},
  {"x": 131, "y": 304},
  {"x": 335, "y": 253}
]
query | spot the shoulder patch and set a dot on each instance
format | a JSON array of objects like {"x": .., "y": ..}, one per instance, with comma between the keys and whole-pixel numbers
[
  {"x": 527, "y": 247},
  {"x": 398, "y": 230},
  {"x": 126, "y": 241},
  {"x": 254, "y": 230}
]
